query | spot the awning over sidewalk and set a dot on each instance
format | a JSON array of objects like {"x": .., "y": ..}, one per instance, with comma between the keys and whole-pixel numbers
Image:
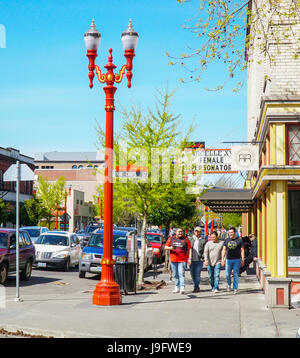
[{"x": 223, "y": 200}]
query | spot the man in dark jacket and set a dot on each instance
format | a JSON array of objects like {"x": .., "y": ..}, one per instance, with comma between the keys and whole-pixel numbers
[
  {"x": 251, "y": 255},
  {"x": 196, "y": 264}
]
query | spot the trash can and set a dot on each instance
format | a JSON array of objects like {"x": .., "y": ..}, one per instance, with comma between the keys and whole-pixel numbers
[{"x": 125, "y": 276}]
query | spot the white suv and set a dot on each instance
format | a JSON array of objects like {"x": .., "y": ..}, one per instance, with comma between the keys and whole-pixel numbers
[{"x": 57, "y": 249}]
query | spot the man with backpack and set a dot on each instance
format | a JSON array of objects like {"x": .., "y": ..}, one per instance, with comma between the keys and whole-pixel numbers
[{"x": 197, "y": 244}]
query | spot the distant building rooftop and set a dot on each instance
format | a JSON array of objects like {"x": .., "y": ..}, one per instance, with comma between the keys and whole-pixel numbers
[{"x": 69, "y": 157}]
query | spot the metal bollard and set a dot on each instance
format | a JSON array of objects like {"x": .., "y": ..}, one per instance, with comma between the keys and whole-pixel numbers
[{"x": 154, "y": 266}]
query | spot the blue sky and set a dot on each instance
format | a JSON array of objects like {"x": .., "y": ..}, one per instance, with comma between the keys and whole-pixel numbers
[{"x": 45, "y": 101}]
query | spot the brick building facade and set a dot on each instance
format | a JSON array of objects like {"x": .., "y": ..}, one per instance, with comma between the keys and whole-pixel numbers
[{"x": 9, "y": 156}]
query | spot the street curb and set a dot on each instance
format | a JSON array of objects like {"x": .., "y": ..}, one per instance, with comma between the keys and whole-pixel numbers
[{"x": 13, "y": 330}]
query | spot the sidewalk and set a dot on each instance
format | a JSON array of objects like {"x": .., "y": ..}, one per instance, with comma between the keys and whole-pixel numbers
[{"x": 154, "y": 314}]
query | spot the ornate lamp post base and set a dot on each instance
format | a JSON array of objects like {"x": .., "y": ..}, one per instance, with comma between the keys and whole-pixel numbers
[
  {"x": 107, "y": 294},
  {"x": 107, "y": 291}
]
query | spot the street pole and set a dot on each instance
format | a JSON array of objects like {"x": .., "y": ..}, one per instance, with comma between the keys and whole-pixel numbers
[
  {"x": 206, "y": 220},
  {"x": 17, "y": 298},
  {"x": 65, "y": 224}
]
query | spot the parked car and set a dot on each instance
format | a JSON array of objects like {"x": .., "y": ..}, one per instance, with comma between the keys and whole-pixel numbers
[
  {"x": 8, "y": 254},
  {"x": 85, "y": 235},
  {"x": 148, "y": 254},
  {"x": 157, "y": 241},
  {"x": 35, "y": 231},
  {"x": 57, "y": 249},
  {"x": 294, "y": 251},
  {"x": 93, "y": 252}
]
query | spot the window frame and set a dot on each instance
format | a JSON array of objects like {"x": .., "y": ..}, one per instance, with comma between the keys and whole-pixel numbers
[{"x": 288, "y": 161}]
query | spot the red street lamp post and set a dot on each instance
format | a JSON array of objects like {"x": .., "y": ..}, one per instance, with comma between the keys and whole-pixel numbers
[{"x": 107, "y": 291}]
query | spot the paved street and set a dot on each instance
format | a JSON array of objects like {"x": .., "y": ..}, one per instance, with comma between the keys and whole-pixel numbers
[{"x": 59, "y": 304}]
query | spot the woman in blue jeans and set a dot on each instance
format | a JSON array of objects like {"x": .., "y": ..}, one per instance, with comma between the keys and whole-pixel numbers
[{"x": 212, "y": 259}]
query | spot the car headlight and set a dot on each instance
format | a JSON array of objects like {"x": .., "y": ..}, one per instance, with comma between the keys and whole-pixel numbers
[
  {"x": 87, "y": 257},
  {"x": 156, "y": 250},
  {"x": 60, "y": 255},
  {"x": 120, "y": 259}
]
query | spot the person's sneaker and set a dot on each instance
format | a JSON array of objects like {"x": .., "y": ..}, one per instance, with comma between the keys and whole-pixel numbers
[
  {"x": 234, "y": 292},
  {"x": 182, "y": 290},
  {"x": 228, "y": 288},
  {"x": 216, "y": 291},
  {"x": 212, "y": 290},
  {"x": 196, "y": 289},
  {"x": 176, "y": 290}
]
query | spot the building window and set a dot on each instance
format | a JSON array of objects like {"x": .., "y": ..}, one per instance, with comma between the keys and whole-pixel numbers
[
  {"x": 74, "y": 166},
  {"x": 293, "y": 228},
  {"x": 81, "y": 202},
  {"x": 1, "y": 180},
  {"x": 294, "y": 144}
]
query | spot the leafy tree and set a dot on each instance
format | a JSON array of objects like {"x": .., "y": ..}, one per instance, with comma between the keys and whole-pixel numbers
[
  {"x": 157, "y": 129},
  {"x": 36, "y": 210},
  {"x": 232, "y": 219},
  {"x": 176, "y": 208},
  {"x": 51, "y": 195},
  {"x": 226, "y": 29},
  {"x": 3, "y": 212}
]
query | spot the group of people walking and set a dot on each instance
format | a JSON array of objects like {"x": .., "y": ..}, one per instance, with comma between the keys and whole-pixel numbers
[{"x": 213, "y": 254}]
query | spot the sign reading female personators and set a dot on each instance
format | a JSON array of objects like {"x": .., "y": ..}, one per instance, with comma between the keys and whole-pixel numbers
[{"x": 212, "y": 161}]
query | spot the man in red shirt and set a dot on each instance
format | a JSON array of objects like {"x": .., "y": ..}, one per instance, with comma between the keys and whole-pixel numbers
[{"x": 180, "y": 251}]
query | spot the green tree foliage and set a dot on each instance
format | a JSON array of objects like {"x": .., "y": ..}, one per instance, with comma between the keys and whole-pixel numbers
[
  {"x": 232, "y": 219},
  {"x": 4, "y": 212},
  {"x": 226, "y": 29},
  {"x": 36, "y": 210},
  {"x": 158, "y": 129},
  {"x": 51, "y": 195},
  {"x": 177, "y": 208}
]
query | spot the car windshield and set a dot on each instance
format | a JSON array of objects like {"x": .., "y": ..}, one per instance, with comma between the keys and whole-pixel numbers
[
  {"x": 119, "y": 242},
  {"x": 33, "y": 232},
  {"x": 53, "y": 240},
  {"x": 91, "y": 229},
  {"x": 3, "y": 240},
  {"x": 154, "y": 238}
]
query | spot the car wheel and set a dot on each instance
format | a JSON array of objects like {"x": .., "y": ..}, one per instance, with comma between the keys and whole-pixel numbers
[
  {"x": 67, "y": 265},
  {"x": 81, "y": 274},
  {"x": 26, "y": 273},
  {"x": 3, "y": 273}
]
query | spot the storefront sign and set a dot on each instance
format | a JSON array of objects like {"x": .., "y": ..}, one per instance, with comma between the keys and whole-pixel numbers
[
  {"x": 245, "y": 157},
  {"x": 211, "y": 161}
]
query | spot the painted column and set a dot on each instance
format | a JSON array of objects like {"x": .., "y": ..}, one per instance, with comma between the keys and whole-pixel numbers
[
  {"x": 282, "y": 223},
  {"x": 273, "y": 228},
  {"x": 268, "y": 231},
  {"x": 264, "y": 227},
  {"x": 259, "y": 228},
  {"x": 249, "y": 222}
]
